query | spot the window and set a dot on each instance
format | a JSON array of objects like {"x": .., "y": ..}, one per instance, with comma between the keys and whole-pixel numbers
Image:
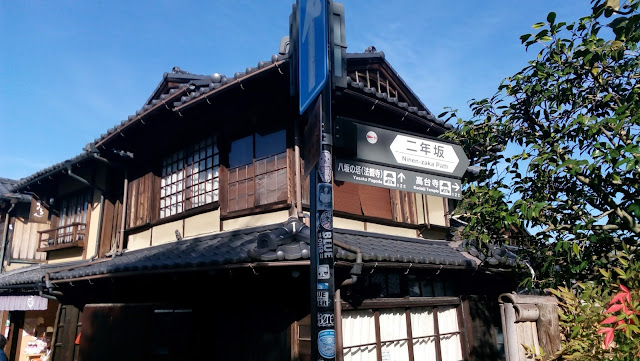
[
  {"x": 189, "y": 178},
  {"x": 258, "y": 171},
  {"x": 426, "y": 333},
  {"x": 72, "y": 219}
]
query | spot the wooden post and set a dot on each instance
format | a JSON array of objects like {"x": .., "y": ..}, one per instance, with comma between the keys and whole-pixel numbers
[{"x": 548, "y": 329}]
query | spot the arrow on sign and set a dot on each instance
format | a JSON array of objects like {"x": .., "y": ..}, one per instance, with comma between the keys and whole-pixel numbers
[
  {"x": 424, "y": 153},
  {"x": 401, "y": 177},
  {"x": 455, "y": 186}
]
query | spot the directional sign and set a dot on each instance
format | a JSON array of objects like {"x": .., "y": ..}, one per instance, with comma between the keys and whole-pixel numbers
[
  {"x": 395, "y": 178},
  {"x": 401, "y": 150},
  {"x": 313, "y": 67}
]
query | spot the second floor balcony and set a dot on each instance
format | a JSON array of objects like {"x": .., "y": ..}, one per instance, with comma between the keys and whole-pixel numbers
[{"x": 67, "y": 236}]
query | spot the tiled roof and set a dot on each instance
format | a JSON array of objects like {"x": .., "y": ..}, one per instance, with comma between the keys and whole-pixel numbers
[
  {"x": 6, "y": 185},
  {"x": 53, "y": 169},
  {"x": 240, "y": 246},
  {"x": 195, "y": 87},
  {"x": 32, "y": 274},
  {"x": 420, "y": 109}
]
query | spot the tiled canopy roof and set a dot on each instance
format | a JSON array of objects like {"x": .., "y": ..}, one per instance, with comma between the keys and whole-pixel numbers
[
  {"x": 240, "y": 246},
  {"x": 54, "y": 168}
]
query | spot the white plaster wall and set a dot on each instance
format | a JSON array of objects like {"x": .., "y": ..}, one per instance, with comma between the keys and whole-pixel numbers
[
  {"x": 139, "y": 240},
  {"x": 436, "y": 211},
  {"x": 255, "y": 220},
  {"x": 345, "y": 223},
  {"x": 200, "y": 224},
  {"x": 166, "y": 233},
  {"x": 393, "y": 231}
]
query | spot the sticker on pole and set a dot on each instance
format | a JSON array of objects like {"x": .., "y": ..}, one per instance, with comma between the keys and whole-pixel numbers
[
  {"x": 325, "y": 197},
  {"x": 324, "y": 166},
  {"x": 327, "y": 343}
]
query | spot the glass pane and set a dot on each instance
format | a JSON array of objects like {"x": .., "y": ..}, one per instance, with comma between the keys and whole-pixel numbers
[
  {"x": 424, "y": 349},
  {"x": 393, "y": 324},
  {"x": 393, "y": 329},
  {"x": 414, "y": 286},
  {"x": 241, "y": 152},
  {"x": 270, "y": 144},
  {"x": 422, "y": 322},
  {"x": 449, "y": 344},
  {"x": 358, "y": 328}
]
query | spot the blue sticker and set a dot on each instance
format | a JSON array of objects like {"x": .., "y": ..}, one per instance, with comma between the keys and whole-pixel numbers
[
  {"x": 327, "y": 343},
  {"x": 323, "y": 286}
]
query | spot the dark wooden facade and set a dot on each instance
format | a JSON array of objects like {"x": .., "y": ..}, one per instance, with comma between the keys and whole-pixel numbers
[{"x": 219, "y": 159}]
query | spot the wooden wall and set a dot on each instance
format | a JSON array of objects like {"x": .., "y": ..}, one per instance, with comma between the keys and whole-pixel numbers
[
  {"x": 143, "y": 200},
  {"x": 26, "y": 240},
  {"x": 377, "y": 202}
]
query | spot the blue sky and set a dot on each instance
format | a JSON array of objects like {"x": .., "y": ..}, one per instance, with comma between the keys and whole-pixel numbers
[{"x": 69, "y": 70}]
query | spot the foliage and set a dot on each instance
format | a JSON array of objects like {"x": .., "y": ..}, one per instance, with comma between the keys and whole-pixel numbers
[
  {"x": 599, "y": 319},
  {"x": 558, "y": 145}
]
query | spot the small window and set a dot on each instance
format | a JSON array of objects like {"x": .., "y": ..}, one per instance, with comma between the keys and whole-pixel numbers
[
  {"x": 258, "y": 171},
  {"x": 72, "y": 219},
  {"x": 189, "y": 178},
  {"x": 429, "y": 333}
]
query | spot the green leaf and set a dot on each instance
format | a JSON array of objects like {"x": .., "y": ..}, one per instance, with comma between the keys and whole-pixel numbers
[
  {"x": 551, "y": 18},
  {"x": 538, "y": 25},
  {"x": 576, "y": 249}
]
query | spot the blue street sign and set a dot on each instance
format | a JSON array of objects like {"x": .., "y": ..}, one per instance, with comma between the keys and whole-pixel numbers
[{"x": 313, "y": 66}]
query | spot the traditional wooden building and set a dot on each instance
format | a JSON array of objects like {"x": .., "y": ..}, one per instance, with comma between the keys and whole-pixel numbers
[{"x": 182, "y": 233}]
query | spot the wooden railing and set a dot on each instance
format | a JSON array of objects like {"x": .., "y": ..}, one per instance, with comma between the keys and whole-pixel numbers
[{"x": 71, "y": 235}]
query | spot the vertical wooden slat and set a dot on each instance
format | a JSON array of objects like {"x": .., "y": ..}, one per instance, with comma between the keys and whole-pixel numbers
[
  {"x": 291, "y": 177},
  {"x": 376, "y": 318},
  {"x": 396, "y": 207},
  {"x": 463, "y": 323},
  {"x": 131, "y": 206},
  {"x": 436, "y": 329},
  {"x": 407, "y": 313},
  {"x": 106, "y": 232},
  {"x": 24, "y": 237},
  {"x": 154, "y": 208},
  {"x": 223, "y": 190}
]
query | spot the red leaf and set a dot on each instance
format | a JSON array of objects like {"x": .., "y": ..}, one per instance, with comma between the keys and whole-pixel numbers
[
  {"x": 606, "y": 329},
  {"x": 614, "y": 308},
  {"x": 619, "y": 297},
  {"x": 607, "y": 339},
  {"x": 629, "y": 298},
  {"x": 610, "y": 319},
  {"x": 626, "y": 310},
  {"x": 626, "y": 290}
]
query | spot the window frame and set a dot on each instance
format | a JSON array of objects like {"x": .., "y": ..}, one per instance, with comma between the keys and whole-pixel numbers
[
  {"x": 184, "y": 165},
  {"x": 408, "y": 304},
  {"x": 249, "y": 175}
]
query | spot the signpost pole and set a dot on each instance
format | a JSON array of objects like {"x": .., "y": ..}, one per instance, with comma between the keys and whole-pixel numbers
[
  {"x": 313, "y": 51},
  {"x": 325, "y": 317}
]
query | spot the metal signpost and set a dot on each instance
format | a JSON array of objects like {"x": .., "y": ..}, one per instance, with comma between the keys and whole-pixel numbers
[
  {"x": 395, "y": 178},
  {"x": 402, "y": 150},
  {"x": 314, "y": 84}
]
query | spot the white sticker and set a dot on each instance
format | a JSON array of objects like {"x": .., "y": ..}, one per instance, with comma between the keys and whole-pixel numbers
[
  {"x": 324, "y": 166},
  {"x": 323, "y": 272}
]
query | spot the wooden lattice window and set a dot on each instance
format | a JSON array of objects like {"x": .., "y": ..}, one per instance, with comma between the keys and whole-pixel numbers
[
  {"x": 258, "y": 171},
  {"x": 189, "y": 178},
  {"x": 72, "y": 219}
]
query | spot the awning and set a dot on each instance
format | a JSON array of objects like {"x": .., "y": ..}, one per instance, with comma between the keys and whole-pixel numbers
[{"x": 22, "y": 303}]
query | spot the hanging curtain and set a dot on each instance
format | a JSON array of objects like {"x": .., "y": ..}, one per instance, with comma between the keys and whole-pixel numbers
[
  {"x": 359, "y": 336},
  {"x": 449, "y": 344},
  {"x": 393, "y": 335}
]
